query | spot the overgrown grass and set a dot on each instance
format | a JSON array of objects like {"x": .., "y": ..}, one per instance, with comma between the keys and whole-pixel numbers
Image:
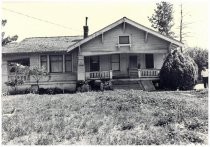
[{"x": 106, "y": 118}]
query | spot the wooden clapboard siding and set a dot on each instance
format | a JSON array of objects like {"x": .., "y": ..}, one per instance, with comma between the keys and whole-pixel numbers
[{"x": 137, "y": 37}]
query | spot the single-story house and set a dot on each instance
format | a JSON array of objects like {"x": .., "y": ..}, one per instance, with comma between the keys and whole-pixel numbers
[{"x": 124, "y": 50}]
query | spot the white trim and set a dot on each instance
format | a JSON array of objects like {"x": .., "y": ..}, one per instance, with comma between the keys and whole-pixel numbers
[
  {"x": 129, "y": 38},
  {"x": 121, "y": 52},
  {"x": 124, "y": 19}
]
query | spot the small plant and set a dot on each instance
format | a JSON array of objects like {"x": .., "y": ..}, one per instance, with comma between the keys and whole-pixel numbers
[{"x": 38, "y": 73}]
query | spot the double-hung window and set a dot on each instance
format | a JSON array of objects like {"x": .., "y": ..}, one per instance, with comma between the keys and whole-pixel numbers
[
  {"x": 115, "y": 61},
  {"x": 56, "y": 63},
  {"x": 68, "y": 63},
  {"x": 43, "y": 59}
]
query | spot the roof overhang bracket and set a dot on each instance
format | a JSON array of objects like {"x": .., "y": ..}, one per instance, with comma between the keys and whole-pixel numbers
[
  {"x": 146, "y": 37},
  {"x": 102, "y": 38},
  {"x": 124, "y": 27},
  {"x": 170, "y": 47},
  {"x": 79, "y": 49}
]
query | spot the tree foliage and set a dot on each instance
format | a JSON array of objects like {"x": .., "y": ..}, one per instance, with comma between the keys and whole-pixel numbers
[
  {"x": 162, "y": 19},
  {"x": 179, "y": 71},
  {"x": 199, "y": 55},
  {"x": 8, "y": 39}
]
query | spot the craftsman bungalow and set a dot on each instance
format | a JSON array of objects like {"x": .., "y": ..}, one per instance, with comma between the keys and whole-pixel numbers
[{"x": 124, "y": 50}]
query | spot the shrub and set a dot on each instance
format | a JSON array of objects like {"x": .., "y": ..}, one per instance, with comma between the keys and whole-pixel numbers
[{"x": 178, "y": 72}]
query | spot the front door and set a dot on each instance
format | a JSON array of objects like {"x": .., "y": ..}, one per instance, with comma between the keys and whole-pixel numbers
[
  {"x": 132, "y": 62},
  {"x": 133, "y": 73}
]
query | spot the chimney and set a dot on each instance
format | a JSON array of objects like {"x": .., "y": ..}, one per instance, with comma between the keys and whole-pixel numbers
[{"x": 85, "y": 28}]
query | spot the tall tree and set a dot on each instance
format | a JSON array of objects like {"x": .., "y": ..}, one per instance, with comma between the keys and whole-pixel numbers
[
  {"x": 8, "y": 39},
  {"x": 162, "y": 19}
]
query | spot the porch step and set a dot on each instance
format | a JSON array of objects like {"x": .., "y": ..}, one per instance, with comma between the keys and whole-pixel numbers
[
  {"x": 127, "y": 84},
  {"x": 147, "y": 85}
]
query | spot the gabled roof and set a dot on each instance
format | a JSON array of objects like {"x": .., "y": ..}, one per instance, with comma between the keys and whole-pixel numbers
[
  {"x": 41, "y": 44},
  {"x": 128, "y": 21}
]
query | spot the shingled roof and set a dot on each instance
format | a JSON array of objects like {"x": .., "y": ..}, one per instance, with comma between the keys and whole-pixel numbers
[{"x": 41, "y": 44}]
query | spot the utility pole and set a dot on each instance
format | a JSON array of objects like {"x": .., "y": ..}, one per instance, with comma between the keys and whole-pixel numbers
[{"x": 181, "y": 24}]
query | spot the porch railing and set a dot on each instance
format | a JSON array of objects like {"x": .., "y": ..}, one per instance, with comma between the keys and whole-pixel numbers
[
  {"x": 98, "y": 75},
  {"x": 147, "y": 73},
  {"x": 25, "y": 78}
]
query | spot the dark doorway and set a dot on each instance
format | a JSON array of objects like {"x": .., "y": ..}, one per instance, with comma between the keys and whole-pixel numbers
[
  {"x": 94, "y": 63},
  {"x": 133, "y": 62},
  {"x": 149, "y": 59}
]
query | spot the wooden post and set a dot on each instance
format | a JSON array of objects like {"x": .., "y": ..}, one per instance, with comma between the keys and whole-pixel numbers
[
  {"x": 64, "y": 64},
  {"x": 139, "y": 73},
  {"x": 110, "y": 74},
  {"x": 81, "y": 68}
]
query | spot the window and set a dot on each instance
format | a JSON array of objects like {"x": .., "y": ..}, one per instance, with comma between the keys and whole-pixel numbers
[
  {"x": 149, "y": 60},
  {"x": 124, "y": 40},
  {"x": 115, "y": 59},
  {"x": 68, "y": 63},
  {"x": 43, "y": 59},
  {"x": 94, "y": 63},
  {"x": 56, "y": 63},
  {"x": 24, "y": 62}
]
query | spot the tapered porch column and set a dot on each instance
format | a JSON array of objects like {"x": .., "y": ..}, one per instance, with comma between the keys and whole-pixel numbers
[{"x": 81, "y": 68}]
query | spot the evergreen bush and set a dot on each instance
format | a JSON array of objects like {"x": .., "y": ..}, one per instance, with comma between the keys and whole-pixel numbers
[{"x": 179, "y": 71}]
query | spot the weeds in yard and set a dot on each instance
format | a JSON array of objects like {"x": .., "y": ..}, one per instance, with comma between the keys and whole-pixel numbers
[{"x": 106, "y": 118}]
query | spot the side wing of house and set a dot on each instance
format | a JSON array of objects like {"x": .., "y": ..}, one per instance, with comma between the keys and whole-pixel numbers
[{"x": 61, "y": 66}]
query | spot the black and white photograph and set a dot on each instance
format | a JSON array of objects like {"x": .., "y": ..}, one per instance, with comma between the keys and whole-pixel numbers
[{"x": 104, "y": 72}]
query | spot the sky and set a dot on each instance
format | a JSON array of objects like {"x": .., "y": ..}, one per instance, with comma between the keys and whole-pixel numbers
[{"x": 66, "y": 18}]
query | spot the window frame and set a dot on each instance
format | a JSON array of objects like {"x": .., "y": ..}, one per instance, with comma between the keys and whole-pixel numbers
[
  {"x": 44, "y": 61},
  {"x": 50, "y": 62},
  {"x": 129, "y": 40},
  {"x": 65, "y": 59},
  {"x": 115, "y": 62}
]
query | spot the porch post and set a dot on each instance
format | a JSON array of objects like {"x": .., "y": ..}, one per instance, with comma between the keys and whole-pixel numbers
[
  {"x": 110, "y": 74},
  {"x": 139, "y": 73},
  {"x": 81, "y": 68}
]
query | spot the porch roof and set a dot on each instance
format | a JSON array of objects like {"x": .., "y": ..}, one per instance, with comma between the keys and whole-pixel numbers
[
  {"x": 41, "y": 44},
  {"x": 131, "y": 22}
]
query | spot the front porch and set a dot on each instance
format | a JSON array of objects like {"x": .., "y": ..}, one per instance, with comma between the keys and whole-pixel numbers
[{"x": 120, "y": 66}]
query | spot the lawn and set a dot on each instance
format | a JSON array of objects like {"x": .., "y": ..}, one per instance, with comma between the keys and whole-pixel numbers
[{"x": 106, "y": 118}]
